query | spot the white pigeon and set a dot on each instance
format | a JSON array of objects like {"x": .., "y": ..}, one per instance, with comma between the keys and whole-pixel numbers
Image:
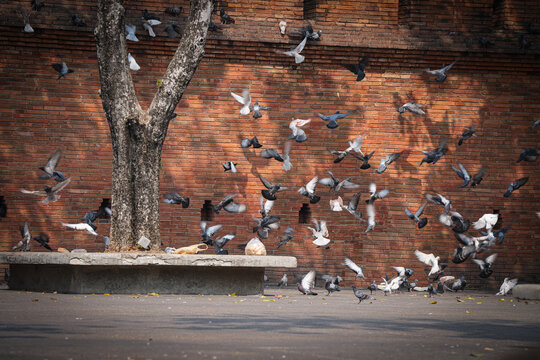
[
  {"x": 26, "y": 17},
  {"x": 132, "y": 63},
  {"x": 370, "y": 209},
  {"x": 81, "y": 226},
  {"x": 356, "y": 145},
  {"x": 245, "y": 100},
  {"x": 298, "y": 134},
  {"x": 429, "y": 259},
  {"x": 307, "y": 283},
  {"x": 287, "y": 165},
  {"x": 309, "y": 189},
  {"x": 355, "y": 268},
  {"x": 296, "y": 52},
  {"x": 337, "y": 204},
  {"x": 147, "y": 25},
  {"x": 386, "y": 287},
  {"x": 131, "y": 32},
  {"x": 486, "y": 221},
  {"x": 266, "y": 206},
  {"x": 282, "y": 27},
  {"x": 320, "y": 233},
  {"x": 506, "y": 286}
]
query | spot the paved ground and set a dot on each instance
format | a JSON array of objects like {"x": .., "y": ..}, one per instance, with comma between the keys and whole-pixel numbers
[{"x": 282, "y": 325}]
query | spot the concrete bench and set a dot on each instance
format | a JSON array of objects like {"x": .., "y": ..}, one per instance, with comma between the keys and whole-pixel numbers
[{"x": 140, "y": 273}]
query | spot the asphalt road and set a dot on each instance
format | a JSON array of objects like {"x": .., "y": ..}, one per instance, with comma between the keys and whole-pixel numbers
[{"x": 282, "y": 325}]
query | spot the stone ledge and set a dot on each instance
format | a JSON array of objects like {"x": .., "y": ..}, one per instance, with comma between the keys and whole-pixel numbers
[{"x": 527, "y": 291}]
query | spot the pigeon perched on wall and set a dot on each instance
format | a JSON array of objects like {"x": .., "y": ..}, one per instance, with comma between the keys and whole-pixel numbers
[
  {"x": 441, "y": 74},
  {"x": 354, "y": 268},
  {"x": 485, "y": 265},
  {"x": 77, "y": 21},
  {"x": 296, "y": 52},
  {"x": 245, "y": 100},
  {"x": 467, "y": 133},
  {"x": 50, "y": 168},
  {"x": 332, "y": 119},
  {"x": 430, "y": 260},
  {"x": 50, "y": 193},
  {"x": 358, "y": 69},
  {"x": 286, "y": 237},
  {"x": 175, "y": 198},
  {"x": 225, "y": 18},
  {"x": 412, "y": 107},
  {"x": 320, "y": 233},
  {"x": 463, "y": 174},
  {"x": 507, "y": 285},
  {"x": 229, "y": 205},
  {"x": 387, "y": 160},
  {"x": 175, "y": 11},
  {"x": 331, "y": 284},
  {"x": 131, "y": 32},
  {"x": 307, "y": 32},
  {"x": 416, "y": 216},
  {"x": 245, "y": 143},
  {"x": 309, "y": 190},
  {"x": 528, "y": 154},
  {"x": 298, "y": 134},
  {"x": 24, "y": 243},
  {"x": 132, "y": 63},
  {"x": 305, "y": 286},
  {"x": 435, "y": 155},
  {"x": 514, "y": 185},
  {"x": 150, "y": 16},
  {"x": 43, "y": 240},
  {"x": 208, "y": 232},
  {"x": 478, "y": 177},
  {"x": 283, "y": 282},
  {"x": 62, "y": 69}
]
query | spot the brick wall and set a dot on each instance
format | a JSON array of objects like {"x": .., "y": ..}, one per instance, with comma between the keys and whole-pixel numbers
[{"x": 494, "y": 89}]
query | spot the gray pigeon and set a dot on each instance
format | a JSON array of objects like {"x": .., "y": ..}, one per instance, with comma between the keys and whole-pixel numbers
[
  {"x": 77, "y": 21},
  {"x": 331, "y": 284},
  {"x": 50, "y": 168},
  {"x": 352, "y": 206},
  {"x": 249, "y": 142},
  {"x": 175, "y": 11},
  {"x": 376, "y": 195},
  {"x": 271, "y": 189},
  {"x": 286, "y": 237},
  {"x": 220, "y": 242},
  {"x": 173, "y": 31},
  {"x": 209, "y": 232},
  {"x": 535, "y": 124},
  {"x": 272, "y": 153},
  {"x": 229, "y": 205},
  {"x": 462, "y": 173},
  {"x": 225, "y": 18},
  {"x": 62, "y": 69},
  {"x": 440, "y": 200},
  {"x": 358, "y": 69},
  {"x": 283, "y": 282},
  {"x": 387, "y": 160},
  {"x": 440, "y": 74},
  {"x": 332, "y": 119},
  {"x": 305, "y": 286},
  {"x": 416, "y": 216},
  {"x": 478, "y": 177},
  {"x": 467, "y": 133},
  {"x": 529, "y": 154},
  {"x": 412, "y": 107},
  {"x": 265, "y": 222},
  {"x": 309, "y": 190},
  {"x": 229, "y": 166},
  {"x": 514, "y": 185},
  {"x": 365, "y": 159},
  {"x": 43, "y": 240},
  {"x": 175, "y": 198},
  {"x": 24, "y": 243},
  {"x": 486, "y": 265},
  {"x": 359, "y": 294},
  {"x": 435, "y": 155},
  {"x": 372, "y": 287},
  {"x": 50, "y": 193},
  {"x": 307, "y": 32},
  {"x": 256, "y": 108}
]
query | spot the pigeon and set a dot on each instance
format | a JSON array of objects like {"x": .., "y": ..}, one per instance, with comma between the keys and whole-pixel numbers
[
  {"x": 50, "y": 193},
  {"x": 355, "y": 268},
  {"x": 410, "y": 285},
  {"x": 81, "y": 226},
  {"x": 37, "y": 5},
  {"x": 307, "y": 32},
  {"x": 266, "y": 222},
  {"x": 272, "y": 153},
  {"x": 337, "y": 185},
  {"x": 332, "y": 119},
  {"x": 175, "y": 198},
  {"x": 229, "y": 205},
  {"x": 355, "y": 145},
  {"x": 336, "y": 204},
  {"x": 352, "y": 206},
  {"x": 309, "y": 191},
  {"x": 365, "y": 159},
  {"x": 131, "y": 32},
  {"x": 458, "y": 284},
  {"x": 478, "y": 177},
  {"x": 287, "y": 165},
  {"x": 535, "y": 124},
  {"x": 467, "y": 133},
  {"x": 208, "y": 232},
  {"x": 462, "y": 253},
  {"x": 283, "y": 281},
  {"x": 214, "y": 27},
  {"x": 77, "y": 21},
  {"x": 147, "y": 25},
  {"x": 307, "y": 283},
  {"x": 440, "y": 287},
  {"x": 372, "y": 287},
  {"x": 514, "y": 185},
  {"x": 24, "y": 243},
  {"x": 435, "y": 155},
  {"x": 62, "y": 69},
  {"x": 441, "y": 73},
  {"x": 256, "y": 108},
  {"x": 249, "y": 142},
  {"x": 282, "y": 27},
  {"x": 528, "y": 154},
  {"x": 132, "y": 63},
  {"x": 299, "y": 135},
  {"x": 296, "y": 52},
  {"x": 473, "y": 245},
  {"x": 150, "y": 16},
  {"x": 487, "y": 221},
  {"x": 266, "y": 206},
  {"x": 462, "y": 173},
  {"x": 507, "y": 286},
  {"x": 455, "y": 221},
  {"x": 412, "y": 107},
  {"x": 245, "y": 100},
  {"x": 175, "y": 11},
  {"x": 320, "y": 233},
  {"x": 89, "y": 218},
  {"x": 286, "y": 237},
  {"x": 502, "y": 233},
  {"x": 220, "y": 242},
  {"x": 386, "y": 287},
  {"x": 270, "y": 192},
  {"x": 173, "y": 31},
  {"x": 428, "y": 259},
  {"x": 403, "y": 272},
  {"x": 50, "y": 168},
  {"x": 43, "y": 240},
  {"x": 331, "y": 285},
  {"x": 358, "y": 69},
  {"x": 26, "y": 18},
  {"x": 376, "y": 195},
  {"x": 416, "y": 216},
  {"x": 485, "y": 265},
  {"x": 440, "y": 200},
  {"x": 387, "y": 160},
  {"x": 370, "y": 209},
  {"x": 523, "y": 42},
  {"x": 225, "y": 18},
  {"x": 229, "y": 165}
]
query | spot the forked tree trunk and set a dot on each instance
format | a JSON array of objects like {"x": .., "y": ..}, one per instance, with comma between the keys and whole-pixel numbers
[{"x": 137, "y": 135}]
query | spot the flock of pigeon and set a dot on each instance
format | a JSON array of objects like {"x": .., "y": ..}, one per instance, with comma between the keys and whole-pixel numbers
[{"x": 468, "y": 246}]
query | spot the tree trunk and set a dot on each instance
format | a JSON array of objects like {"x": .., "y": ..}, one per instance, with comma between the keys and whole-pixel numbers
[{"x": 137, "y": 136}]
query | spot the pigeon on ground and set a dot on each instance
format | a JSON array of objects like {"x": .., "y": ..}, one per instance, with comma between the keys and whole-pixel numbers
[
  {"x": 485, "y": 265},
  {"x": 529, "y": 154},
  {"x": 50, "y": 193},
  {"x": 175, "y": 198},
  {"x": 514, "y": 185},
  {"x": 320, "y": 233},
  {"x": 62, "y": 69},
  {"x": 50, "y": 168},
  {"x": 282, "y": 27},
  {"x": 305, "y": 286},
  {"x": 462, "y": 173},
  {"x": 412, "y": 107},
  {"x": 43, "y": 240},
  {"x": 24, "y": 243},
  {"x": 440, "y": 74},
  {"x": 387, "y": 160},
  {"x": 478, "y": 177},
  {"x": 299, "y": 135},
  {"x": 286, "y": 237},
  {"x": 467, "y": 133},
  {"x": 271, "y": 189},
  {"x": 309, "y": 191},
  {"x": 352, "y": 206},
  {"x": 175, "y": 11},
  {"x": 131, "y": 32},
  {"x": 296, "y": 52},
  {"x": 507, "y": 286},
  {"x": 173, "y": 31},
  {"x": 440, "y": 200},
  {"x": 337, "y": 185},
  {"x": 283, "y": 282},
  {"x": 208, "y": 232},
  {"x": 77, "y": 21},
  {"x": 386, "y": 288},
  {"x": 256, "y": 108},
  {"x": 435, "y": 155},
  {"x": 473, "y": 245},
  {"x": 287, "y": 165},
  {"x": 229, "y": 205},
  {"x": 225, "y": 18},
  {"x": 535, "y": 124},
  {"x": 37, "y": 5},
  {"x": 365, "y": 159},
  {"x": 374, "y": 195},
  {"x": 416, "y": 216},
  {"x": 220, "y": 242},
  {"x": 229, "y": 166},
  {"x": 370, "y": 209},
  {"x": 332, "y": 119},
  {"x": 428, "y": 259},
  {"x": 331, "y": 285},
  {"x": 266, "y": 206},
  {"x": 431, "y": 290},
  {"x": 245, "y": 100},
  {"x": 355, "y": 268},
  {"x": 81, "y": 226},
  {"x": 403, "y": 272},
  {"x": 358, "y": 69},
  {"x": 249, "y": 142},
  {"x": 372, "y": 287},
  {"x": 132, "y": 63},
  {"x": 272, "y": 153}
]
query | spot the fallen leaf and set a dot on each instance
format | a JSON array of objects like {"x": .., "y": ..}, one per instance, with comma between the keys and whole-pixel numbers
[
  {"x": 467, "y": 312},
  {"x": 153, "y": 294},
  {"x": 433, "y": 302},
  {"x": 77, "y": 297},
  {"x": 425, "y": 296},
  {"x": 459, "y": 300},
  {"x": 263, "y": 297},
  {"x": 106, "y": 294},
  {"x": 200, "y": 295},
  {"x": 488, "y": 349},
  {"x": 501, "y": 299},
  {"x": 268, "y": 300},
  {"x": 477, "y": 355},
  {"x": 479, "y": 303},
  {"x": 526, "y": 302},
  {"x": 35, "y": 300},
  {"x": 511, "y": 300},
  {"x": 233, "y": 294},
  {"x": 482, "y": 297}
]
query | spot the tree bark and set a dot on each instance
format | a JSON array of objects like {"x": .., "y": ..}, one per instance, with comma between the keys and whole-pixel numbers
[{"x": 137, "y": 135}]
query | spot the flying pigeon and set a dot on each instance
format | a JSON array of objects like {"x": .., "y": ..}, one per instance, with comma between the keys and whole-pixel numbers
[
  {"x": 370, "y": 209},
  {"x": 248, "y": 142},
  {"x": 282, "y": 27},
  {"x": 24, "y": 243},
  {"x": 435, "y": 155},
  {"x": 132, "y": 63},
  {"x": 535, "y": 124},
  {"x": 271, "y": 189},
  {"x": 43, "y": 240},
  {"x": 506, "y": 286},
  {"x": 441, "y": 73},
  {"x": 307, "y": 283},
  {"x": 256, "y": 108},
  {"x": 352, "y": 206},
  {"x": 473, "y": 245},
  {"x": 229, "y": 165},
  {"x": 355, "y": 268},
  {"x": 332, "y": 119},
  {"x": 50, "y": 193},
  {"x": 467, "y": 133},
  {"x": 225, "y": 18},
  {"x": 307, "y": 32},
  {"x": 147, "y": 25},
  {"x": 131, "y": 32},
  {"x": 229, "y": 205},
  {"x": 283, "y": 281},
  {"x": 429, "y": 259},
  {"x": 462, "y": 253},
  {"x": 416, "y": 216},
  {"x": 336, "y": 204},
  {"x": 403, "y": 272},
  {"x": 174, "y": 198},
  {"x": 331, "y": 285},
  {"x": 502, "y": 233},
  {"x": 208, "y": 232},
  {"x": 272, "y": 153},
  {"x": 528, "y": 154},
  {"x": 220, "y": 242},
  {"x": 485, "y": 265},
  {"x": 309, "y": 190},
  {"x": 478, "y": 177},
  {"x": 214, "y": 27},
  {"x": 62, "y": 69},
  {"x": 440, "y": 200},
  {"x": 358, "y": 69},
  {"x": 487, "y": 221},
  {"x": 412, "y": 107},
  {"x": 37, "y": 5},
  {"x": 455, "y": 221},
  {"x": 462, "y": 173},
  {"x": 320, "y": 233},
  {"x": 173, "y": 31},
  {"x": 337, "y": 185},
  {"x": 365, "y": 159},
  {"x": 245, "y": 100},
  {"x": 376, "y": 195},
  {"x": 286, "y": 237},
  {"x": 77, "y": 21},
  {"x": 266, "y": 222},
  {"x": 287, "y": 165},
  {"x": 296, "y": 52},
  {"x": 175, "y": 11},
  {"x": 355, "y": 145},
  {"x": 266, "y": 206},
  {"x": 81, "y": 226},
  {"x": 387, "y": 160},
  {"x": 50, "y": 168},
  {"x": 26, "y": 18},
  {"x": 514, "y": 185},
  {"x": 458, "y": 284},
  {"x": 298, "y": 134}
]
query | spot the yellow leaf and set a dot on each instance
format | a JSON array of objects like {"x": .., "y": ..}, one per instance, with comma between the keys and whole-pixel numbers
[
  {"x": 488, "y": 349},
  {"x": 153, "y": 294},
  {"x": 269, "y": 300},
  {"x": 467, "y": 312},
  {"x": 425, "y": 296},
  {"x": 158, "y": 83},
  {"x": 511, "y": 300},
  {"x": 106, "y": 294},
  {"x": 200, "y": 295},
  {"x": 233, "y": 294},
  {"x": 501, "y": 299},
  {"x": 77, "y": 297},
  {"x": 263, "y": 297},
  {"x": 433, "y": 302},
  {"x": 479, "y": 303},
  {"x": 481, "y": 297}
]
